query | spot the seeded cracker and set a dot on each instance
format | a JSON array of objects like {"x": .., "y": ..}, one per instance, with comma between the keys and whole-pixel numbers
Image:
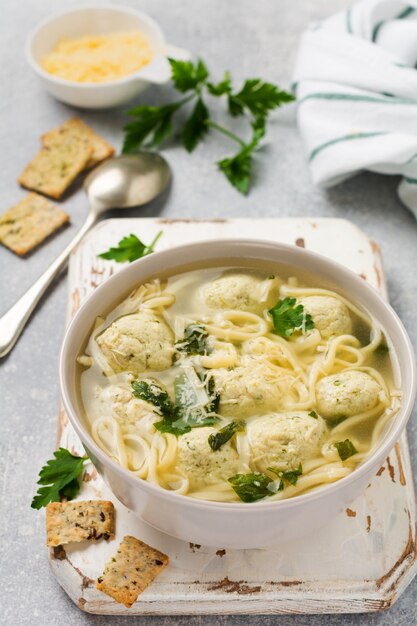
[
  {"x": 131, "y": 570},
  {"x": 29, "y": 222},
  {"x": 79, "y": 520},
  {"x": 55, "y": 166},
  {"x": 77, "y": 128}
]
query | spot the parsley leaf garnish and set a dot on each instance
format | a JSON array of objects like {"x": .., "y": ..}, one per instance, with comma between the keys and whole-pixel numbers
[
  {"x": 70, "y": 491},
  {"x": 313, "y": 414},
  {"x": 258, "y": 97},
  {"x": 196, "y": 126},
  {"x": 153, "y": 125},
  {"x": 176, "y": 427},
  {"x": 251, "y": 487},
  {"x": 195, "y": 340},
  {"x": 290, "y": 476},
  {"x": 289, "y": 317},
  {"x": 222, "y": 88},
  {"x": 238, "y": 168},
  {"x": 150, "y": 391},
  {"x": 345, "y": 449},
  {"x": 59, "y": 478},
  {"x": 130, "y": 249},
  {"x": 183, "y": 415},
  {"x": 213, "y": 395},
  {"x": 187, "y": 76},
  {"x": 381, "y": 349},
  {"x": 217, "y": 440},
  {"x": 150, "y": 120}
]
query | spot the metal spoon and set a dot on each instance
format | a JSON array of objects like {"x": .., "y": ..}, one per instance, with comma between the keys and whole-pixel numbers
[{"x": 119, "y": 183}]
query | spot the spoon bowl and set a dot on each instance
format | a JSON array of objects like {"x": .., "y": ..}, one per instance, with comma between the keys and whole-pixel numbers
[{"x": 127, "y": 181}]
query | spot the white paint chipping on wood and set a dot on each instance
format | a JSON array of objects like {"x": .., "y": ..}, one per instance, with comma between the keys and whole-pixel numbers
[{"x": 361, "y": 561}]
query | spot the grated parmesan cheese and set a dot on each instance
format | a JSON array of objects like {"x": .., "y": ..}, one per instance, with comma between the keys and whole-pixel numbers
[{"x": 98, "y": 58}]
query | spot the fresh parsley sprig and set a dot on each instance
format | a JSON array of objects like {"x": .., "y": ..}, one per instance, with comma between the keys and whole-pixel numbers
[
  {"x": 217, "y": 440},
  {"x": 289, "y": 317},
  {"x": 212, "y": 394},
  {"x": 195, "y": 340},
  {"x": 59, "y": 477},
  {"x": 251, "y": 487},
  {"x": 256, "y": 98},
  {"x": 238, "y": 168},
  {"x": 345, "y": 449},
  {"x": 151, "y": 392},
  {"x": 185, "y": 413},
  {"x": 130, "y": 249},
  {"x": 257, "y": 486},
  {"x": 289, "y": 476}
]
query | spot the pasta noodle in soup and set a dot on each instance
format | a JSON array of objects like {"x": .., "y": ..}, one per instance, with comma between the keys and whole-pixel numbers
[{"x": 237, "y": 385}]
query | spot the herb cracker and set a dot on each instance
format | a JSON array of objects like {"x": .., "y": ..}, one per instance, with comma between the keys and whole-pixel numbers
[
  {"x": 79, "y": 520},
  {"x": 131, "y": 570},
  {"x": 29, "y": 222},
  {"x": 76, "y": 128},
  {"x": 56, "y": 165}
]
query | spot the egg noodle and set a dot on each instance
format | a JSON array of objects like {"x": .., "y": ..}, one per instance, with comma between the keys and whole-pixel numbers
[{"x": 297, "y": 395}]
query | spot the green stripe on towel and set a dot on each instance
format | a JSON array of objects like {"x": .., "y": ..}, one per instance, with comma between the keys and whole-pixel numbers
[
  {"x": 410, "y": 181},
  {"x": 318, "y": 149},
  {"x": 404, "y": 13},
  {"x": 411, "y": 159},
  {"x": 356, "y": 98},
  {"x": 349, "y": 20}
]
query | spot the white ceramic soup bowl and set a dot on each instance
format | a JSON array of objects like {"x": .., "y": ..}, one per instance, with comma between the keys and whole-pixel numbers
[
  {"x": 235, "y": 525},
  {"x": 99, "y": 19}
]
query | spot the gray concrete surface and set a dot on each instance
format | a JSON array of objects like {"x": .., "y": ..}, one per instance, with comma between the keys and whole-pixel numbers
[{"x": 249, "y": 38}]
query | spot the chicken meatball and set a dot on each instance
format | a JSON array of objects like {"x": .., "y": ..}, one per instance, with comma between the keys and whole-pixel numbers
[
  {"x": 284, "y": 440},
  {"x": 252, "y": 388},
  {"x": 138, "y": 342},
  {"x": 234, "y": 291},
  {"x": 201, "y": 464},
  {"x": 330, "y": 315},
  {"x": 346, "y": 394},
  {"x": 118, "y": 402}
]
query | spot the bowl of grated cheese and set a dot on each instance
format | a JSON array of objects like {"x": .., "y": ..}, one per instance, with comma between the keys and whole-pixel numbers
[{"x": 100, "y": 56}]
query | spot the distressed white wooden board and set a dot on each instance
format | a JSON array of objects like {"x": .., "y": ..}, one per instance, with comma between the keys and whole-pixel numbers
[{"x": 360, "y": 561}]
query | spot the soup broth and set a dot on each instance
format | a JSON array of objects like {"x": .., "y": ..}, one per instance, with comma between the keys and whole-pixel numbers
[{"x": 237, "y": 384}]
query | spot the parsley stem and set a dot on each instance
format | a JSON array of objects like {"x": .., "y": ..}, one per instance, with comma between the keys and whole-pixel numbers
[
  {"x": 226, "y": 132},
  {"x": 187, "y": 98},
  {"x": 153, "y": 242}
]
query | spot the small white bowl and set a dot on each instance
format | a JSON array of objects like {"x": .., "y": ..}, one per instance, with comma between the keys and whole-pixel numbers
[
  {"x": 98, "y": 20},
  {"x": 235, "y": 525}
]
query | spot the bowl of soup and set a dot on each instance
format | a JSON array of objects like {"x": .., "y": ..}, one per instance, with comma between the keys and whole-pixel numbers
[{"x": 237, "y": 393}]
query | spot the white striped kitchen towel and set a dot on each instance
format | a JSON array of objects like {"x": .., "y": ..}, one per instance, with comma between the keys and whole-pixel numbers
[{"x": 356, "y": 86}]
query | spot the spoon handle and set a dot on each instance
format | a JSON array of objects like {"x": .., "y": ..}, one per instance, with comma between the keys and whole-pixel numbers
[{"x": 13, "y": 322}]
